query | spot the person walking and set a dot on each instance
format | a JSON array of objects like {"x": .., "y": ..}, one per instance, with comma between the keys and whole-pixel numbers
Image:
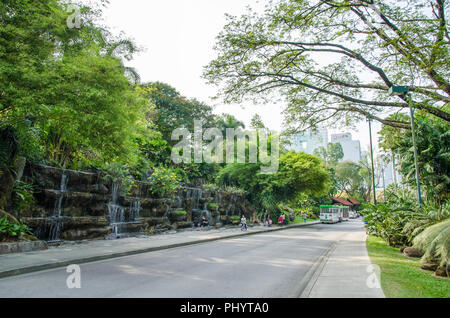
[
  {"x": 266, "y": 218},
  {"x": 243, "y": 223},
  {"x": 283, "y": 216}
]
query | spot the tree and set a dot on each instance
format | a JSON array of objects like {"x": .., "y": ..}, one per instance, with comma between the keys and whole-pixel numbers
[
  {"x": 350, "y": 180},
  {"x": 370, "y": 47},
  {"x": 433, "y": 144},
  {"x": 65, "y": 90},
  {"x": 257, "y": 122},
  {"x": 298, "y": 173},
  {"x": 175, "y": 111},
  {"x": 332, "y": 154},
  {"x": 225, "y": 121}
]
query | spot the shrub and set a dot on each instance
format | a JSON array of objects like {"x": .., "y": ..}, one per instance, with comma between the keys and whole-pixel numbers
[
  {"x": 164, "y": 182},
  {"x": 10, "y": 229},
  {"x": 399, "y": 222},
  {"x": 388, "y": 221},
  {"x": 22, "y": 195},
  {"x": 119, "y": 174},
  {"x": 234, "y": 190},
  {"x": 435, "y": 242},
  {"x": 210, "y": 187},
  {"x": 212, "y": 206}
]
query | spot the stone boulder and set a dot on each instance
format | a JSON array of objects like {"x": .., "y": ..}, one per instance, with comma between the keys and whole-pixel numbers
[
  {"x": 429, "y": 266},
  {"x": 443, "y": 271},
  {"x": 412, "y": 252}
]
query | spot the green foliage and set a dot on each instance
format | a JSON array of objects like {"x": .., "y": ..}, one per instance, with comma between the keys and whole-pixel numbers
[
  {"x": 164, "y": 182},
  {"x": 350, "y": 179},
  {"x": 298, "y": 173},
  {"x": 256, "y": 122},
  {"x": 9, "y": 230},
  {"x": 22, "y": 195},
  {"x": 433, "y": 143},
  {"x": 279, "y": 52},
  {"x": 399, "y": 221},
  {"x": 331, "y": 155},
  {"x": 175, "y": 111},
  {"x": 180, "y": 213},
  {"x": 225, "y": 121},
  {"x": 119, "y": 174},
  {"x": 234, "y": 190},
  {"x": 212, "y": 206},
  {"x": 435, "y": 242},
  {"x": 64, "y": 90},
  {"x": 210, "y": 187},
  {"x": 193, "y": 171}
]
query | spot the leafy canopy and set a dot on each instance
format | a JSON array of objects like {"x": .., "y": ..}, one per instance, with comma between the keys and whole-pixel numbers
[{"x": 334, "y": 60}]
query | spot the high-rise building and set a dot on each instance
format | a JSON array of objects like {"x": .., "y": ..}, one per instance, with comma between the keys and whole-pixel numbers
[
  {"x": 351, "y": 148},
  {"x": 308, "y": 141},
  {"x": 312, "y": 140}
]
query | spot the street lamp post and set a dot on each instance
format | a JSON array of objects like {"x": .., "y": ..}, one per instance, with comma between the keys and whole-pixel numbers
[
  {"x": 384, "y": 184},
  {"x": 371, "y": 159},
  {"x": 404, "y": 90}
]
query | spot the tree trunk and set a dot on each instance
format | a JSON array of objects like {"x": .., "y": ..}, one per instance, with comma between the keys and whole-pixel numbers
[{"x": 394, "y": 174}]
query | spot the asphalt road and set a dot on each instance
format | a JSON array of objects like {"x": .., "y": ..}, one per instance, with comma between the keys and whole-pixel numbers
[{"x": 272, "y": 264}]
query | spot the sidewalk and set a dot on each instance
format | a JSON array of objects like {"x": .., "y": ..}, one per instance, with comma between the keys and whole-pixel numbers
[
  {"x": 345, "y": 271},
  {"x": 90, "y": 251}
]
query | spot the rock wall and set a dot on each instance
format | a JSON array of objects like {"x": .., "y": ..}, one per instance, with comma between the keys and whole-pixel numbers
[{"x": 75, "y": 205}]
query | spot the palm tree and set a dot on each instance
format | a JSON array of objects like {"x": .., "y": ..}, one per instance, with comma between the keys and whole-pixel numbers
[{"x": 125, "y": 48}]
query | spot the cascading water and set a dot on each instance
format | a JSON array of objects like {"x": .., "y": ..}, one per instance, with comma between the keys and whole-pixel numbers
[
  {"x": 116, "y": 212},
  {"x": 179, "y": 199},
  {"x": 123, "y": 224},
  {"x": 218, "y": 201},
  {"x": 196, "y": 195},
  {"x": 56, "y": 219},
  {"x": 135, "y": 207}
]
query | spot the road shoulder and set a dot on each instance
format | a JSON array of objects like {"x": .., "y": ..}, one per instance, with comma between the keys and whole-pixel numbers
[{"x": 345, "y": 271}]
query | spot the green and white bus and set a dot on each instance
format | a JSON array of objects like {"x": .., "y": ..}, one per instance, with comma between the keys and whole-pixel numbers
[{"x": 333, "y": 213}]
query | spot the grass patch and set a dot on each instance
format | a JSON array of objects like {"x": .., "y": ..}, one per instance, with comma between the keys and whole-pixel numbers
[
  {"x": 401, "y": 277},
  {"x": 299, "y": 219}
]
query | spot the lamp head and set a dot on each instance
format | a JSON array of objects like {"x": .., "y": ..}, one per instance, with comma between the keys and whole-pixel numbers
[{"x": 398, "y": 90}]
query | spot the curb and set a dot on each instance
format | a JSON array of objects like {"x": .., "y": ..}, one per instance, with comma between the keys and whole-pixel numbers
[
  {"x": 21, "y": 247},
  {"x": 310, "y": 279},
  {"x": 37, "y": 268}
]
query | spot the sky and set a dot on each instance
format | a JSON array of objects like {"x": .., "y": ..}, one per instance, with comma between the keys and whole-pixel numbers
[{"x": 178, "y": 38}]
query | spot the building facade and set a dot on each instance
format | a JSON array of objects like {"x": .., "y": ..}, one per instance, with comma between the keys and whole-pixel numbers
[
  {"x": 309, "y": 141},
  {"x": 351, "y": 148}
]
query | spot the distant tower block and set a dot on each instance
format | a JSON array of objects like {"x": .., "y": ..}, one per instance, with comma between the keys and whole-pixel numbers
[
  {"x": 308, "y": 141},
  {"x": 351, "y": 148}
]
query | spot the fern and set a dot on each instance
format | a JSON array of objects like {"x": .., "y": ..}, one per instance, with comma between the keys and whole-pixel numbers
[{"x": 435, "y": 242}]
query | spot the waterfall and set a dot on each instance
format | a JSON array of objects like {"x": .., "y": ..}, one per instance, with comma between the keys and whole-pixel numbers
[
  {"x": 197, "y": 194},
  {"x": 179, "y": 199},
  {"x": 56, "y": 220},
  {"x": 116, "y": 212},
  {"x": 135, "y": 206}
]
